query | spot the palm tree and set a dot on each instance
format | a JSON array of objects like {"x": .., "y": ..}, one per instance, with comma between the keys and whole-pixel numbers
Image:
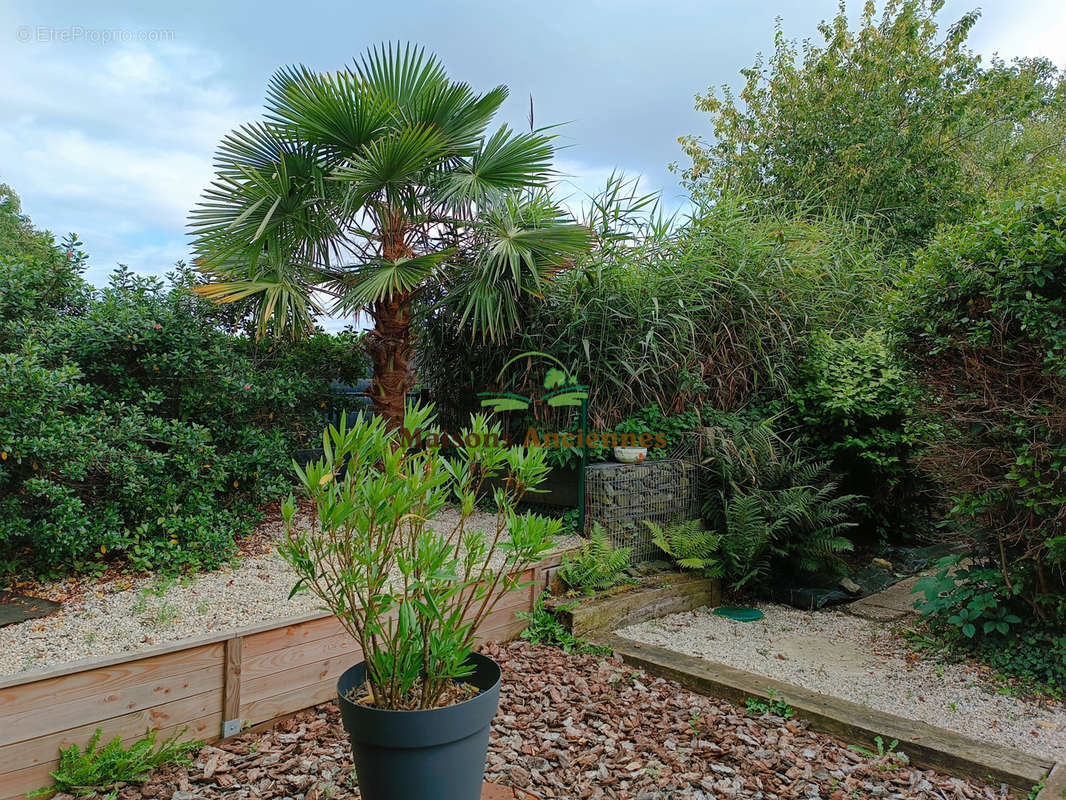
[{"x": 364, "y": 187}]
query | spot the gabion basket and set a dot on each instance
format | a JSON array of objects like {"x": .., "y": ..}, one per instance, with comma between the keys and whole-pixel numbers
[{"x": 622, "y": 497}]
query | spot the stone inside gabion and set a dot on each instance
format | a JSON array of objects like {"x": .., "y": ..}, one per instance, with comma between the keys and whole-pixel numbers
[{"x": 621, "y": 497}]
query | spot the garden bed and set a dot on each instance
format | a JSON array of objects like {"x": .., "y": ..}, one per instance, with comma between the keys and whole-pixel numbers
[
  {"x": 864, "y": 662},
  {"x": 120, "y": 614},
  {"x": 206, "y": 686},
  {"x": 577, "y": 726}
]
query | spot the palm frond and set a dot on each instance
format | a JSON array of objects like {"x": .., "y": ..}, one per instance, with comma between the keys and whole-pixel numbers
[
  {"x": 390, "y": 165},
  {"x": 331, "y": 109},
  {"x": 269, "y": 200},
  {"x": 278, "y": 304},
  {"x": 507, "y": 161},
  {"x": 381, "y": 279}
]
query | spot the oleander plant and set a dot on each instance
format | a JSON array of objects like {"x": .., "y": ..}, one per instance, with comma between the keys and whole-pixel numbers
[{"x": 411, "y": 588}]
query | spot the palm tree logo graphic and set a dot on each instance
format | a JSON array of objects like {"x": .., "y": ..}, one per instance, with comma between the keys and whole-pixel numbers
[{"x": 561, "y": 388}]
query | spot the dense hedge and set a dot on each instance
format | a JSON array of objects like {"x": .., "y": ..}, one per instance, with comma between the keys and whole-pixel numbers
[
  {"x": 711, "y": 311},
  {"x": 983, "y": 318},
  {"x": 131, "y": 423}
]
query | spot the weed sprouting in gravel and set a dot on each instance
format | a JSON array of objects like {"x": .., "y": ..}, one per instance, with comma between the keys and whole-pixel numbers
[
  {"x": 888, "y": 757},
  {"x": 773, "y": 704}
]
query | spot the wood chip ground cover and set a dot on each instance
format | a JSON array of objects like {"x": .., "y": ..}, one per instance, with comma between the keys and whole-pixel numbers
[{"x": 577, "y": 726}]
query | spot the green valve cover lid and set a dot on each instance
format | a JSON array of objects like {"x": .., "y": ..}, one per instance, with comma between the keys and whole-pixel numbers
[{"x": 739, "y": 613}]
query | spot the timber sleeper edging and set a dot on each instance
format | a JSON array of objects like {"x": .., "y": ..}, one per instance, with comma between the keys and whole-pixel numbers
[{"x": 926, "y": 746}]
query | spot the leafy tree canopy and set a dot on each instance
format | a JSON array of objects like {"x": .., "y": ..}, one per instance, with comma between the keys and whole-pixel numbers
[{"x": 895, "y": 119}]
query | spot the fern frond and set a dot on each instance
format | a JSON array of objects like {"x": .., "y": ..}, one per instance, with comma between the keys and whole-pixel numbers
[{"x": 597, "y": 565}]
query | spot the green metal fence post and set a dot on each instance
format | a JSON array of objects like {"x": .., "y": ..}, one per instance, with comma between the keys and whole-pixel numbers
[{"x": 584, "y": 464}]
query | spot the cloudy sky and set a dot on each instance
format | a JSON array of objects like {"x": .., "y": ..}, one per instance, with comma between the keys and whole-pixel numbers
[{"x": 109, "y": 115}]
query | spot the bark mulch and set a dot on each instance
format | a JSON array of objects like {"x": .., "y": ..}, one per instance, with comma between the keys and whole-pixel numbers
[{"x": 578, "y": 726}]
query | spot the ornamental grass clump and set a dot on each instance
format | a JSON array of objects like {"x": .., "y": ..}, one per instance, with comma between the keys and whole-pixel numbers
[{"x": 410, "y": 593}]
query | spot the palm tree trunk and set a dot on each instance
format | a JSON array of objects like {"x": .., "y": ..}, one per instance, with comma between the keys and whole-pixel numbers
[{"x": 389, "y": 348}]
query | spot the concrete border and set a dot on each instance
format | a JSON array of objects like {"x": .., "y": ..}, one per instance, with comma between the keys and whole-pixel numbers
[{"x": 925, "y": 745}]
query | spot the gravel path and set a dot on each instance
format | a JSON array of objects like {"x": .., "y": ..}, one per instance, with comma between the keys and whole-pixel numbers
[
  {"x": 574, "y": 726},
  {"x": 865, "y": 662},
  {"x": 121, "y": 614}
]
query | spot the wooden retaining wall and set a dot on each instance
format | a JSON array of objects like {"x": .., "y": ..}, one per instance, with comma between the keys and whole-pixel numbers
[{"x": 215, "y": 685}]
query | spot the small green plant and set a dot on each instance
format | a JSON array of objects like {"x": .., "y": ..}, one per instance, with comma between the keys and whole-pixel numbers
[
  {"x": 890, "y": 757},
  {"x": 545, "y": 628},
  {"x": 165, "y": 615},
  {"x": 97, "y": 769},
  {"x": 689, "y": 545},
  {"x": 160, "y": 587},
  {"x": 773, "y": 704},
  {"x": 597, "y": 565},
  {"x": 572, "y": 520}
]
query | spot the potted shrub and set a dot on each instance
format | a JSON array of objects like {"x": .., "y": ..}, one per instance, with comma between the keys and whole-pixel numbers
[{"x": 418, "y": 708}]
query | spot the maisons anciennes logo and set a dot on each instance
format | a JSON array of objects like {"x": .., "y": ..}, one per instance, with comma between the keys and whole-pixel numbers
[{"x": 561, "y": 389}]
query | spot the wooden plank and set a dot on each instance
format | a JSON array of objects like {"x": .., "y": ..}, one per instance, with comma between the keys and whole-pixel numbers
[
  {"x": 16, "y": 784},
  {"x": 43, "y": 749},
  {"x": 231, "y": 687},
  {"x": 280, "y": 704},
  {"x": 287, "y": 636},
  {"x": 98, "y": 709},
  {"x": 329, "y": 626},
  {"x": 505, "y": 632},
  {"x": 105, "y": 680},
  {"x": 1055, "y": 785},
  {"x": 305, "y": 675},
  {"x": 926, "y": 746},
  {"x": 274, "y": 662},
  {"x": 189, "y": 643},
  {"x": 634, "y": 605}
]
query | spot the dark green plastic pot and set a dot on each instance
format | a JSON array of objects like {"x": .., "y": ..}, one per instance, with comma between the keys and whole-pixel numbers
[{"x": 437, "y": 754}]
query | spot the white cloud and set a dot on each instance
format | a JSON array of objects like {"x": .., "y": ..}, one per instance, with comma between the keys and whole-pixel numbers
[
  {"x": 115, "y": 143},
  {"x": 1029, "y": 28}
]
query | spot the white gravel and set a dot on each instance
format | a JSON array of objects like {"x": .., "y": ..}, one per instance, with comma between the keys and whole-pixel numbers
[
  {"x": 864, "y": 662},
  {"x": 121, "y": 614}
]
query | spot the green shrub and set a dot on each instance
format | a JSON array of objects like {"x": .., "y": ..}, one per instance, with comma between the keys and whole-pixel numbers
[
  {"x": 893, "y": 116},
  {"x": 981, "y": 317},
  {"x": 130, "y": 423},
  {"x": 970, "y": 607},
  {"x": 95, "y": 769},
  {"x": 773, "y": 509},
  {"x": 855, "y": 406},
  {"x": 375, "y": 501},
  {"x": 597, "y": 564}
]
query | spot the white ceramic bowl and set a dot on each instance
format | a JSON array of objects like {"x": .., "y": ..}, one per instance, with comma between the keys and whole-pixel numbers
[{"x": 630, "y": 455}]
